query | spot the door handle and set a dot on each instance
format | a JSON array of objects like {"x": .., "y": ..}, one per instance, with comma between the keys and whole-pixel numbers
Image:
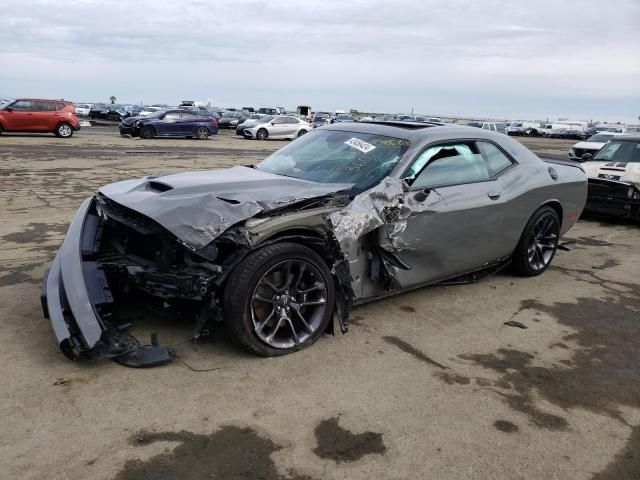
[{"x": 495, "y": 195}]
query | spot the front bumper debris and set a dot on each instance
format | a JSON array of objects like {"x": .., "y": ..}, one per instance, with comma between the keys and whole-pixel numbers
[
  {"x": 76, "y": 299},
  {"x": 612, "y": 197}
]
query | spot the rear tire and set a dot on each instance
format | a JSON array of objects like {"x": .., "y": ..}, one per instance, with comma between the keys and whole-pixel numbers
[
  {"x": 268, "y": 294},
  {"x": 538, "y": 243},
  {"x": 202, "y": 133},
  {"x": 63, "y": 130},
  {"x": 262, "y": 134},
  {"x": 147, "y": 132}
]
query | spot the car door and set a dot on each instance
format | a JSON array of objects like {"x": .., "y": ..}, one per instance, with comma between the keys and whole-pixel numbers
[
  {"x": 278, "y": 127},
  {"x": 169, "y": 125},
  {"x": 456, "y": 218},
  {"x": 43, "y": 116},
  {"x": 187, "y": 125},
  {"x": 19, "y": 115},
  {"x": 292, "y": 126}
]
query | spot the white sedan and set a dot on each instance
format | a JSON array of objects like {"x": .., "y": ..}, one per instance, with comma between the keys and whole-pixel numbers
[
  {"x": 280, "y": 127},
  {"x": 83, "y": 109}
]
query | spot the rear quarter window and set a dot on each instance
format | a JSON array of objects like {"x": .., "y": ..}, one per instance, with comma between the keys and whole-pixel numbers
[{"x": 496, "y": 160}]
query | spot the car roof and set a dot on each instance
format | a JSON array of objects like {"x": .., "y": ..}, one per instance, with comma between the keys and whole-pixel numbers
[
  {"x": 44, "y": 100},
  {"x": 423, "y": 134},
  {"x": 413, "y": 131}
]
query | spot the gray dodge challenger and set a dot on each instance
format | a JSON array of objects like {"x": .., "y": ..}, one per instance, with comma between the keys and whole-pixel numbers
[{"x": 279, "y": 252}]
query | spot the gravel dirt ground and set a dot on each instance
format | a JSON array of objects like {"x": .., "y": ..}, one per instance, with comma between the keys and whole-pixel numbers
[{"x": 429, "y": 384}]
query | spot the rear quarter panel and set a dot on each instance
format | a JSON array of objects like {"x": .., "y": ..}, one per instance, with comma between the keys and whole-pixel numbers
[{"x": 530, "y": 186}]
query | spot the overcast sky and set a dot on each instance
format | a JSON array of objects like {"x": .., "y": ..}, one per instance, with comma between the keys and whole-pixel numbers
[{"x": 576, "y": 58}]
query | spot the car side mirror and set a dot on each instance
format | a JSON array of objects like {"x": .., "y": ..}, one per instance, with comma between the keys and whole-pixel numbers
[
  {"x": 422, "y": 195},
  {"x": 9, "y": 109},
  {"x": 587, "y": 157}
]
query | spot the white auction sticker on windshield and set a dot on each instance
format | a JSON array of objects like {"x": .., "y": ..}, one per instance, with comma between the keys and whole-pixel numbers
[{"x": 361, "y": 145}]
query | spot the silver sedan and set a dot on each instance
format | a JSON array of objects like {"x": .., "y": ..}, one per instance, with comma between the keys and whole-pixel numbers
[{"x": 282, "y": 127}]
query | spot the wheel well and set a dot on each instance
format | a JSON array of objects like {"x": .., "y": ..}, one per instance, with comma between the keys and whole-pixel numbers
[
  {"x": 307, "y": 237},
  {"x": 557, "y": 207}
]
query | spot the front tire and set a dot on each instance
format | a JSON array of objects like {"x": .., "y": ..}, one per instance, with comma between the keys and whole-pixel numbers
[
  {"x": 301, "y": 133},
  {"x": 279, "y": 300},
  {"x": 63, "y": 130},
  {"x": 538, "y": 243},
  {"x": 147, "y": 132},
  {"x": 262, "y": 134}
]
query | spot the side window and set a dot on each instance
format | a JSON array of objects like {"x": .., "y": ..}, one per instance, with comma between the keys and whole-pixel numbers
[
  {"x": 23, "y": 105},
  {"x": 496, "y": 160},
  {"x": 279, "y": 120},
  {"x": 292, "y": 120},
  {"x": 188, "y": 116},
  {"x": 450, "y": 164},
  {"x": 172, "y": 116},
  {"x": 44, "y": 106}
]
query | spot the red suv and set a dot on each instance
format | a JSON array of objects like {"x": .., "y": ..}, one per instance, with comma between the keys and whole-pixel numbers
[{"x": 35, "y": 115}]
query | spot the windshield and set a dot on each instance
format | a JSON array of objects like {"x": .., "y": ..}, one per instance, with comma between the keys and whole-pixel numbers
[
  {"x": 266, "y": 119},
  {"x": 600, "y": 137},
  {"x": 344, "y": 117},
  {"x": 5, "y": 104},
  {"x": 619, "y": 152},
  {"x": 230, "y": 115},
  {"x": 332, "y": 156}
]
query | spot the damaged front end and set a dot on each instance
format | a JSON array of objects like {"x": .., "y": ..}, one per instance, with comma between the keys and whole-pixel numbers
[
  {"x": 114, "y": 257},
  {"x": 109, "y": 251},
  {"x": 613, "y": 197}
]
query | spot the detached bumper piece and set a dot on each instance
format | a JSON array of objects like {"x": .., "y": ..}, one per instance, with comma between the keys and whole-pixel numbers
[
  {"x": 77, "y": 300},
  {"x": 612, "y": 197}
]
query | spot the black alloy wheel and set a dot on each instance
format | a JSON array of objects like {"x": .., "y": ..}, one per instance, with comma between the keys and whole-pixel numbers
[{"x": 538, "y": 244}]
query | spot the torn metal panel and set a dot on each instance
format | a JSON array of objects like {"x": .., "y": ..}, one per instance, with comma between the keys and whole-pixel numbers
[
  {"x": 368, "y": 211},
  {"x": 197, "y": 207}
]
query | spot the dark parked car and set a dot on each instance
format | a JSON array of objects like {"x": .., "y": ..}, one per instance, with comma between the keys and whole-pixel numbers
[
  {"x": 568, "y": 134},
  {"x": 345, "y": 214},
  {"x": 39, "y": 115},
  {"x": 232, "y": 119},
  {"x": 343, "y": 117},
  {"x": 170, "y": 123},
  {"x": 107, "y": 112},
  {"x": 320, "y": 119}
]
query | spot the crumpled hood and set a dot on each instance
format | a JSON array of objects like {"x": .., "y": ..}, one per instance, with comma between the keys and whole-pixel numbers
[
  {"x": 628, "y": 172},
  {"x": 131, "y": 120},
  {"x": 199, "y": 206}
]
